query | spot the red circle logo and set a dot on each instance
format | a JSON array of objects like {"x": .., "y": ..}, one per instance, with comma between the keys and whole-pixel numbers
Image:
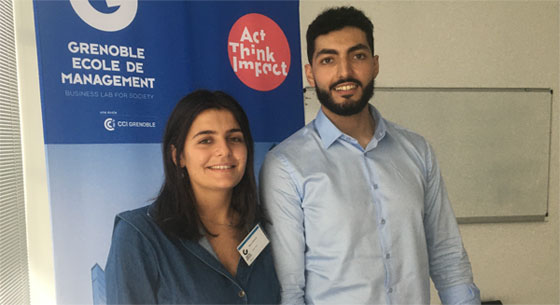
[{"x": 259, "y": 52}]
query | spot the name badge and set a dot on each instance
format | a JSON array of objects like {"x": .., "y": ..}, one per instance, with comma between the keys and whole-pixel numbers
[{"x": 252, "y": 245}]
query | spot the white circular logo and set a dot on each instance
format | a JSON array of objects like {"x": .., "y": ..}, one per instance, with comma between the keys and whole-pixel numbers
[
  {"x": 110, "y": 22},
  {"x": 109, "y": 124}
]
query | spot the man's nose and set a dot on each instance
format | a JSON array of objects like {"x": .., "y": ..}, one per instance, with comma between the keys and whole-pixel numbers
[{"x": 344, "y": 68}]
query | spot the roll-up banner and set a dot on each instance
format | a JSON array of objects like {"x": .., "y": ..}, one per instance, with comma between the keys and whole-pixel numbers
[{"x": 111, "y": 72}]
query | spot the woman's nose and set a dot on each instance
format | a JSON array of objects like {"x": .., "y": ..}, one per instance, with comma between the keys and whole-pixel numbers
[{"x": 223, "y": 148}]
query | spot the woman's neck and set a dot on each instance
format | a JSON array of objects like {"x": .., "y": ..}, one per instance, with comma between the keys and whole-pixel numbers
[{"x": 215, "y": 208}]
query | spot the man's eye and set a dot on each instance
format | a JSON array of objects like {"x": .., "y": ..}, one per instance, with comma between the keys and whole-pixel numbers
[
  {"x": 326, "y": 60},
  {"x": 360, "y": 56}
]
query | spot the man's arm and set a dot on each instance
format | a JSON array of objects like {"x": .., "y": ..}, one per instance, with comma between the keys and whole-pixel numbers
[
  {"x": 450, "y": 268},
  {"x": 282, "y": 205}
]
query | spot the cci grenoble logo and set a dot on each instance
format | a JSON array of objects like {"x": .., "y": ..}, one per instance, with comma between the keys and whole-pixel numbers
[
  {"x": 109, "y": 124},
  {"x": 108, "y": 22},
  {"x": 259, "y": 52}
]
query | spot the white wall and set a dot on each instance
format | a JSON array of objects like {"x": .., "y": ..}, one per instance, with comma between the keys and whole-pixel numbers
[
  {"x": 39, "y": 236},
  {"x": 511, "y": 44}
]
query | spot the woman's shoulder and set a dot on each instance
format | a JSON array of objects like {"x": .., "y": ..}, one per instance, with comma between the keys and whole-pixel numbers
[
  {"x": 136, "y": 222},
  {"x": 136, "y": 215}
]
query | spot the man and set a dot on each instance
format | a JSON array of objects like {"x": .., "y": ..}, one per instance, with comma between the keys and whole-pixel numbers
[{"x": 358, "y": 209}]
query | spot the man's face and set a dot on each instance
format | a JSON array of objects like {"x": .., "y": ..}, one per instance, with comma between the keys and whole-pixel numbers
[{"x": 343, "y": 71}]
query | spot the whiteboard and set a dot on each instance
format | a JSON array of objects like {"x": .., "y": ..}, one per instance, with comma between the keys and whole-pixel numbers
[{"x": 492, "y": 144}]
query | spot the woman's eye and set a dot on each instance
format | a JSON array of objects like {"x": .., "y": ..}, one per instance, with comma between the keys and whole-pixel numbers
[
  {"x": 236, "y": 139},
  {"x": 205, "y": 141}
]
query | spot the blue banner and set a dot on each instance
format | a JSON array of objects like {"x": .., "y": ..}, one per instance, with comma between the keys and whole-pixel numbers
[
  {"x": 118, "y": 85},
  {"x": 111, "y": 71}
]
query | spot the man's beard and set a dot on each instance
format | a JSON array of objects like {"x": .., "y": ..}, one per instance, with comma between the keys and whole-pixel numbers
[{"x": 347, "y": 108}]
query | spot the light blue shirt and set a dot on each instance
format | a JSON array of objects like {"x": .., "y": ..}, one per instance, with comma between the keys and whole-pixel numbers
[{"x": 362, "y": 226}]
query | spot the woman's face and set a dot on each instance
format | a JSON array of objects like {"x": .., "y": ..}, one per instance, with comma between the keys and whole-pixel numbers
[{"x": 215, "y": 153}]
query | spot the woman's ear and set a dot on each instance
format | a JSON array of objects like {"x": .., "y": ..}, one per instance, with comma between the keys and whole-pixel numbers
[
  {"x": 174, "y": 157},
  {"x": 174, "y": 154}
]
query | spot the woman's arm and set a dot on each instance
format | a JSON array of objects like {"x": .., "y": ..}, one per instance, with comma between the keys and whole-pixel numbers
[{"x": 131, "y": 271}]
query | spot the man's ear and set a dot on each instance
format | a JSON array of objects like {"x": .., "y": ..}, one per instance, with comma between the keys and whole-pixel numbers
[
  {"x": 375, "y": 66},
  {"x": 309, "y": 75}
]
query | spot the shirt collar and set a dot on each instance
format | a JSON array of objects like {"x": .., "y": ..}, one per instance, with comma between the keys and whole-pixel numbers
[
  {"x": 326, "y": 129},
  {"x": 380, "y": 124},
  {"x": 329, "y": 133}
]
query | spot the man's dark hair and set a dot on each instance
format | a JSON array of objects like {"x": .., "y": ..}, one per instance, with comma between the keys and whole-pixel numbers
[
  {"x": 175, "y": 207},
  {"x": 334, "y": 19}
]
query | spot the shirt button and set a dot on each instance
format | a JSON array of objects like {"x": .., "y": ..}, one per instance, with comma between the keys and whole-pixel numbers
[
  {"x": 390, "y": 290},
  {"x": 388, "y": 256},
  {"x": 375, "y": 186},
  {"x": 241, "y": 293},
  {"x": 382, "y": 221}
]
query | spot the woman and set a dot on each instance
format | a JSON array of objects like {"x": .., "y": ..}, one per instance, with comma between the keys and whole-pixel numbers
[{"x": 183, "y": 247}]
